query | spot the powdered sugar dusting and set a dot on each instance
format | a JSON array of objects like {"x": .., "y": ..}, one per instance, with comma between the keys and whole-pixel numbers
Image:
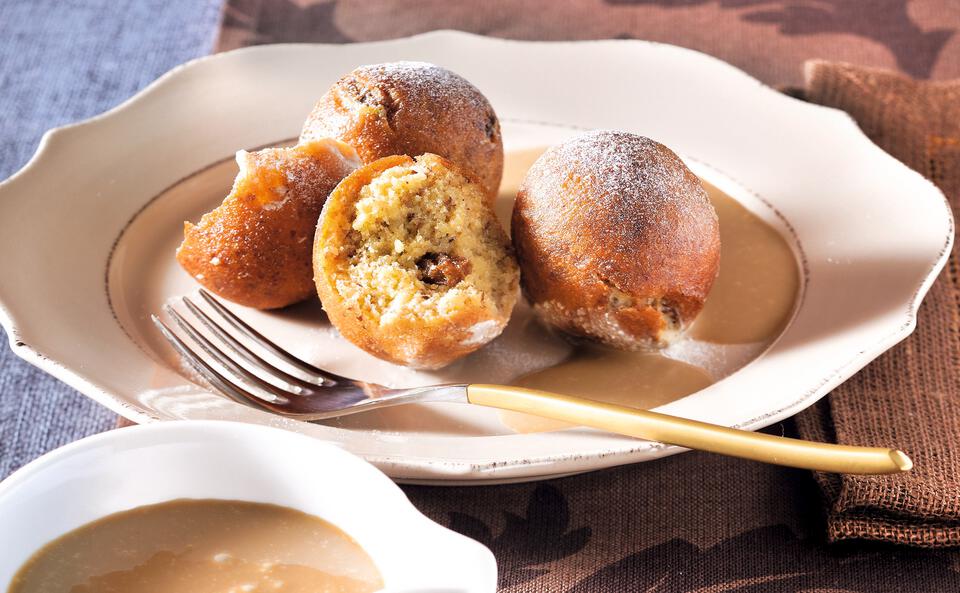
[
  {"x": 483, "y": 332},
  {"x": 421, "y": 88},
  {"x": 601, "y": 324},
  {"x": 635, "y": 180},
  {"x": 425, "y": 79}
]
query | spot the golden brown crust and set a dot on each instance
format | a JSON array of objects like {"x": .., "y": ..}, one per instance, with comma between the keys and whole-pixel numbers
[
  {"x": 412, "y": 108},
  {"x": 616, "y": 239},
  {"x": 255, "y": 248},
  {"x": 405, "y": 341}
]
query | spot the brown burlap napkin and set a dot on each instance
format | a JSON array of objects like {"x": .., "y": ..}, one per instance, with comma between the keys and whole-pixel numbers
[{"x": 910, "y": 396}]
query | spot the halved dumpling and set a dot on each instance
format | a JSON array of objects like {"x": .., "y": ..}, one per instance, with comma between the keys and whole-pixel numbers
[
  {"x": 412, "y": 264},
  {"x": 255, "y": 248}
]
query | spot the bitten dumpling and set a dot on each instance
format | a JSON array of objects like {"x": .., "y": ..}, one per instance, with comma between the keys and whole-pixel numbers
[{"x": 255, "y": 248}]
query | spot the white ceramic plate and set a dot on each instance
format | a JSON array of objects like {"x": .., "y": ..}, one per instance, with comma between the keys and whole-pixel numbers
[
  {"x": 88, "y": 227},
  {"x": 124, "y": 469}
]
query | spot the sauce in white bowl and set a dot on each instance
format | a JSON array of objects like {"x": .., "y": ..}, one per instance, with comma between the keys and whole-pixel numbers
[
  {"x": 275, "y": 479},
  {"x": 202, "y": 546}
]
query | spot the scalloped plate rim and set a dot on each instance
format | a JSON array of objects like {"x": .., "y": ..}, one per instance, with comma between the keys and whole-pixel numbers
[{"x": 35, "y": 355}]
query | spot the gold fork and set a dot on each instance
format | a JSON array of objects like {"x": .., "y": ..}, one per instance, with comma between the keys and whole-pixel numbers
[{"x": 300, "y": 390}]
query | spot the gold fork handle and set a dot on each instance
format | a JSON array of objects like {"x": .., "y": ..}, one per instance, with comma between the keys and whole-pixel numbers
[{"x": 692, "y": 434}]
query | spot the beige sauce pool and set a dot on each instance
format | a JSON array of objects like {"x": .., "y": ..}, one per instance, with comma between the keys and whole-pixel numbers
[
  {"x": 634, "y": 379},
  {"x": 750, "y": 303},
  {"x": 755, "y": 291},
  {"x": 201, "y": 546}
]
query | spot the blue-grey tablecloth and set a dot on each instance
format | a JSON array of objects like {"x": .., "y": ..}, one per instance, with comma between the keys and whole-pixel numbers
[{"x": 60, "y": 62}]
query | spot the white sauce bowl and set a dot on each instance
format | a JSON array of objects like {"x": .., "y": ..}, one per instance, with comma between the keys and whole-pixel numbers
[{"x": 131, "y": 467}]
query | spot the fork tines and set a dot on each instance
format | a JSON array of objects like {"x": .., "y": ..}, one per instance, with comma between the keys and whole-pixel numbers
[{"x": 229, "y": 364}]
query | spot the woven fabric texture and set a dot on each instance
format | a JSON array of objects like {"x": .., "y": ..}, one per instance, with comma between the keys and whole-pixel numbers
[
  {"x": 910, "y": 396},
  {"x": 61, "y": 62}
]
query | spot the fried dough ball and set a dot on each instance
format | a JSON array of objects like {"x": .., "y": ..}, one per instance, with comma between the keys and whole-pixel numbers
[
  {"x": 411, "y": 263},
  {"x": 255, "y": 248},
  {"x": 617, "y": 240},
  {"x": 412, "y": 108}
]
